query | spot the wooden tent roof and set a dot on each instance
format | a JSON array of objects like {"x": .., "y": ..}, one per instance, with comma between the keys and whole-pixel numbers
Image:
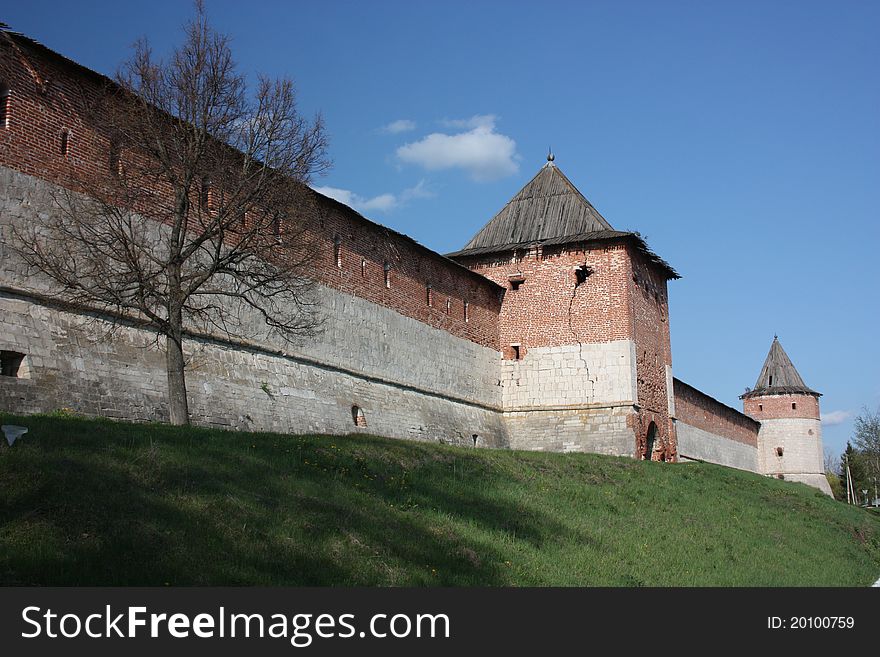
[
  {"x": 548, "y": 206},
  {"x": 778, "y": 376},
  {"x": 550, "y": 211}
]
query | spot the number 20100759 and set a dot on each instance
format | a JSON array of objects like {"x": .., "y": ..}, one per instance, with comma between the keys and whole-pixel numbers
[{"x": 811, "y": 623}]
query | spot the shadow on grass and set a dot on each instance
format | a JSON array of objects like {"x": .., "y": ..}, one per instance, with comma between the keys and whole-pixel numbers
[{"x": 101, "y": 503}]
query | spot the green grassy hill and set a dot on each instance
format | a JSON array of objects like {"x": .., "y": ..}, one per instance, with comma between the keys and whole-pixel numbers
[{"x": 92, "y": 502}]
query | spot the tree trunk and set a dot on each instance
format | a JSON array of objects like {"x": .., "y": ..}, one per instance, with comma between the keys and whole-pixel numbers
[{"x": 174, "y": 364}]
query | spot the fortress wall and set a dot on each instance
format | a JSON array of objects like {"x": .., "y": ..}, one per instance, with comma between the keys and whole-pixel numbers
[
  {"x": 29, "y": 144},
  {"x": 708, "y": 430},
  {"x": 695, "y": 444},
  {"x": 422, "y": 284},
  {"x": 702, "y": 411},
  {"x": 412, "y": 380},
  {"x": 71, "y": 363}
]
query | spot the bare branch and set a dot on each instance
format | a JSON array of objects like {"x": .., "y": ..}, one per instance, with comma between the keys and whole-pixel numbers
[{"x": 198, "y": 221}]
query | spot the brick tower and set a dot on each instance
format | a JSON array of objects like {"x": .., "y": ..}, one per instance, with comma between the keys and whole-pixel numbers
[
  {"x": 790, "y": 437},
  {"x": 586, "y": 357}
]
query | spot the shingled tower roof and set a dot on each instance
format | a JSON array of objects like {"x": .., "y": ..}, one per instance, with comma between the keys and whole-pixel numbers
[
  {"x": 548, "y": 206},
  {"x": 778, "y": 376},
  {"x": 550, "y": 211}
]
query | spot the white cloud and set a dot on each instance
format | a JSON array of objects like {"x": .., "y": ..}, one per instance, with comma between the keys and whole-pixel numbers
[
  {"x": 481, "y": 151},
  {"x": 835, "y": 417},
  {"x": 419, "y": 191},
  {"x": 381, "y": 203},
  {"x": 476, "y": 121},
  {"x": 396, "y": 127}
]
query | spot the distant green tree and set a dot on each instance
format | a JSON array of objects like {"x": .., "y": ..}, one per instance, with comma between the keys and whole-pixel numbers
[
  {"x": 858, "y": 470},
  {"x": 832, "y": 474},
  {"x": 866, "y": 437}
]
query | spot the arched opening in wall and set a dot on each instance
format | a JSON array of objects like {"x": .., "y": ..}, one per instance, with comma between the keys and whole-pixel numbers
[
  {"x": 650, "y": 440},
  {"x": 358, "y": 417},
  {"x": 475, "y": 438}
]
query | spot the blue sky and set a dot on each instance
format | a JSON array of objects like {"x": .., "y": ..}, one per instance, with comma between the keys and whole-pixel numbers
[{"x": 741, "y": 138}]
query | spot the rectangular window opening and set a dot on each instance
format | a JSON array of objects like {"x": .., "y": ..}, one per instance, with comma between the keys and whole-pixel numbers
[
  {"x": 64, "y": 145},
  {"x": 516, "y": 352},
  {"x": 467, "y": 317},
  {"x": 10, "y": 363},
  {"x": 115, "y": 159},
  {"x": 4, "y": 106},
  {"x": 205, "y": 194},
  {"x": 429, "y": 295},
  {"x": 387, "y": 269},
  {"x": 793, "y": 406},
  {"x": 337, "y": 251}
]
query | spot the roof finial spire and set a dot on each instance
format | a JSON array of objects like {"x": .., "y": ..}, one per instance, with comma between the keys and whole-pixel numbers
[{"x": 550, "y": 155}]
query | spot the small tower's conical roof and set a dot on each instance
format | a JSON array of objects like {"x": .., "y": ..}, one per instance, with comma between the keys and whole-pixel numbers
[
  {"x": 778, "y": 376},
  {"x": 548, "y": 206}
]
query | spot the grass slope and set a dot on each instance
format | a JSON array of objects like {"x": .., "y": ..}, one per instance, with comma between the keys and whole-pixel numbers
[{"x": 99, "y": 502}]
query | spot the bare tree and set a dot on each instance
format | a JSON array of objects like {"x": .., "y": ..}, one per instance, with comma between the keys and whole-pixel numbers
[{"x": 221, "y": 173}]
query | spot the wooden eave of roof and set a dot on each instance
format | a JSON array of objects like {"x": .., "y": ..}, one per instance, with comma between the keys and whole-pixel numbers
[
  {"x": 573, "y": 240},
  {"x": 780, "y": 390}
]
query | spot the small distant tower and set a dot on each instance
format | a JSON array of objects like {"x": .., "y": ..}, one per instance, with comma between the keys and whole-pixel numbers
[{"x": 790, "y": 437}]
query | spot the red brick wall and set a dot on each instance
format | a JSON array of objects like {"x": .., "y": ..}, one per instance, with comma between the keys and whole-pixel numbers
[
  {"x": 547, "y": 310},
  {"x": 413, "y": 269},
  {"x": 772, "y": 407},
  {"x": 50, "y": 94},
  {"x": 702, "y": 411},
  {"x": 650, "y": 316}
]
